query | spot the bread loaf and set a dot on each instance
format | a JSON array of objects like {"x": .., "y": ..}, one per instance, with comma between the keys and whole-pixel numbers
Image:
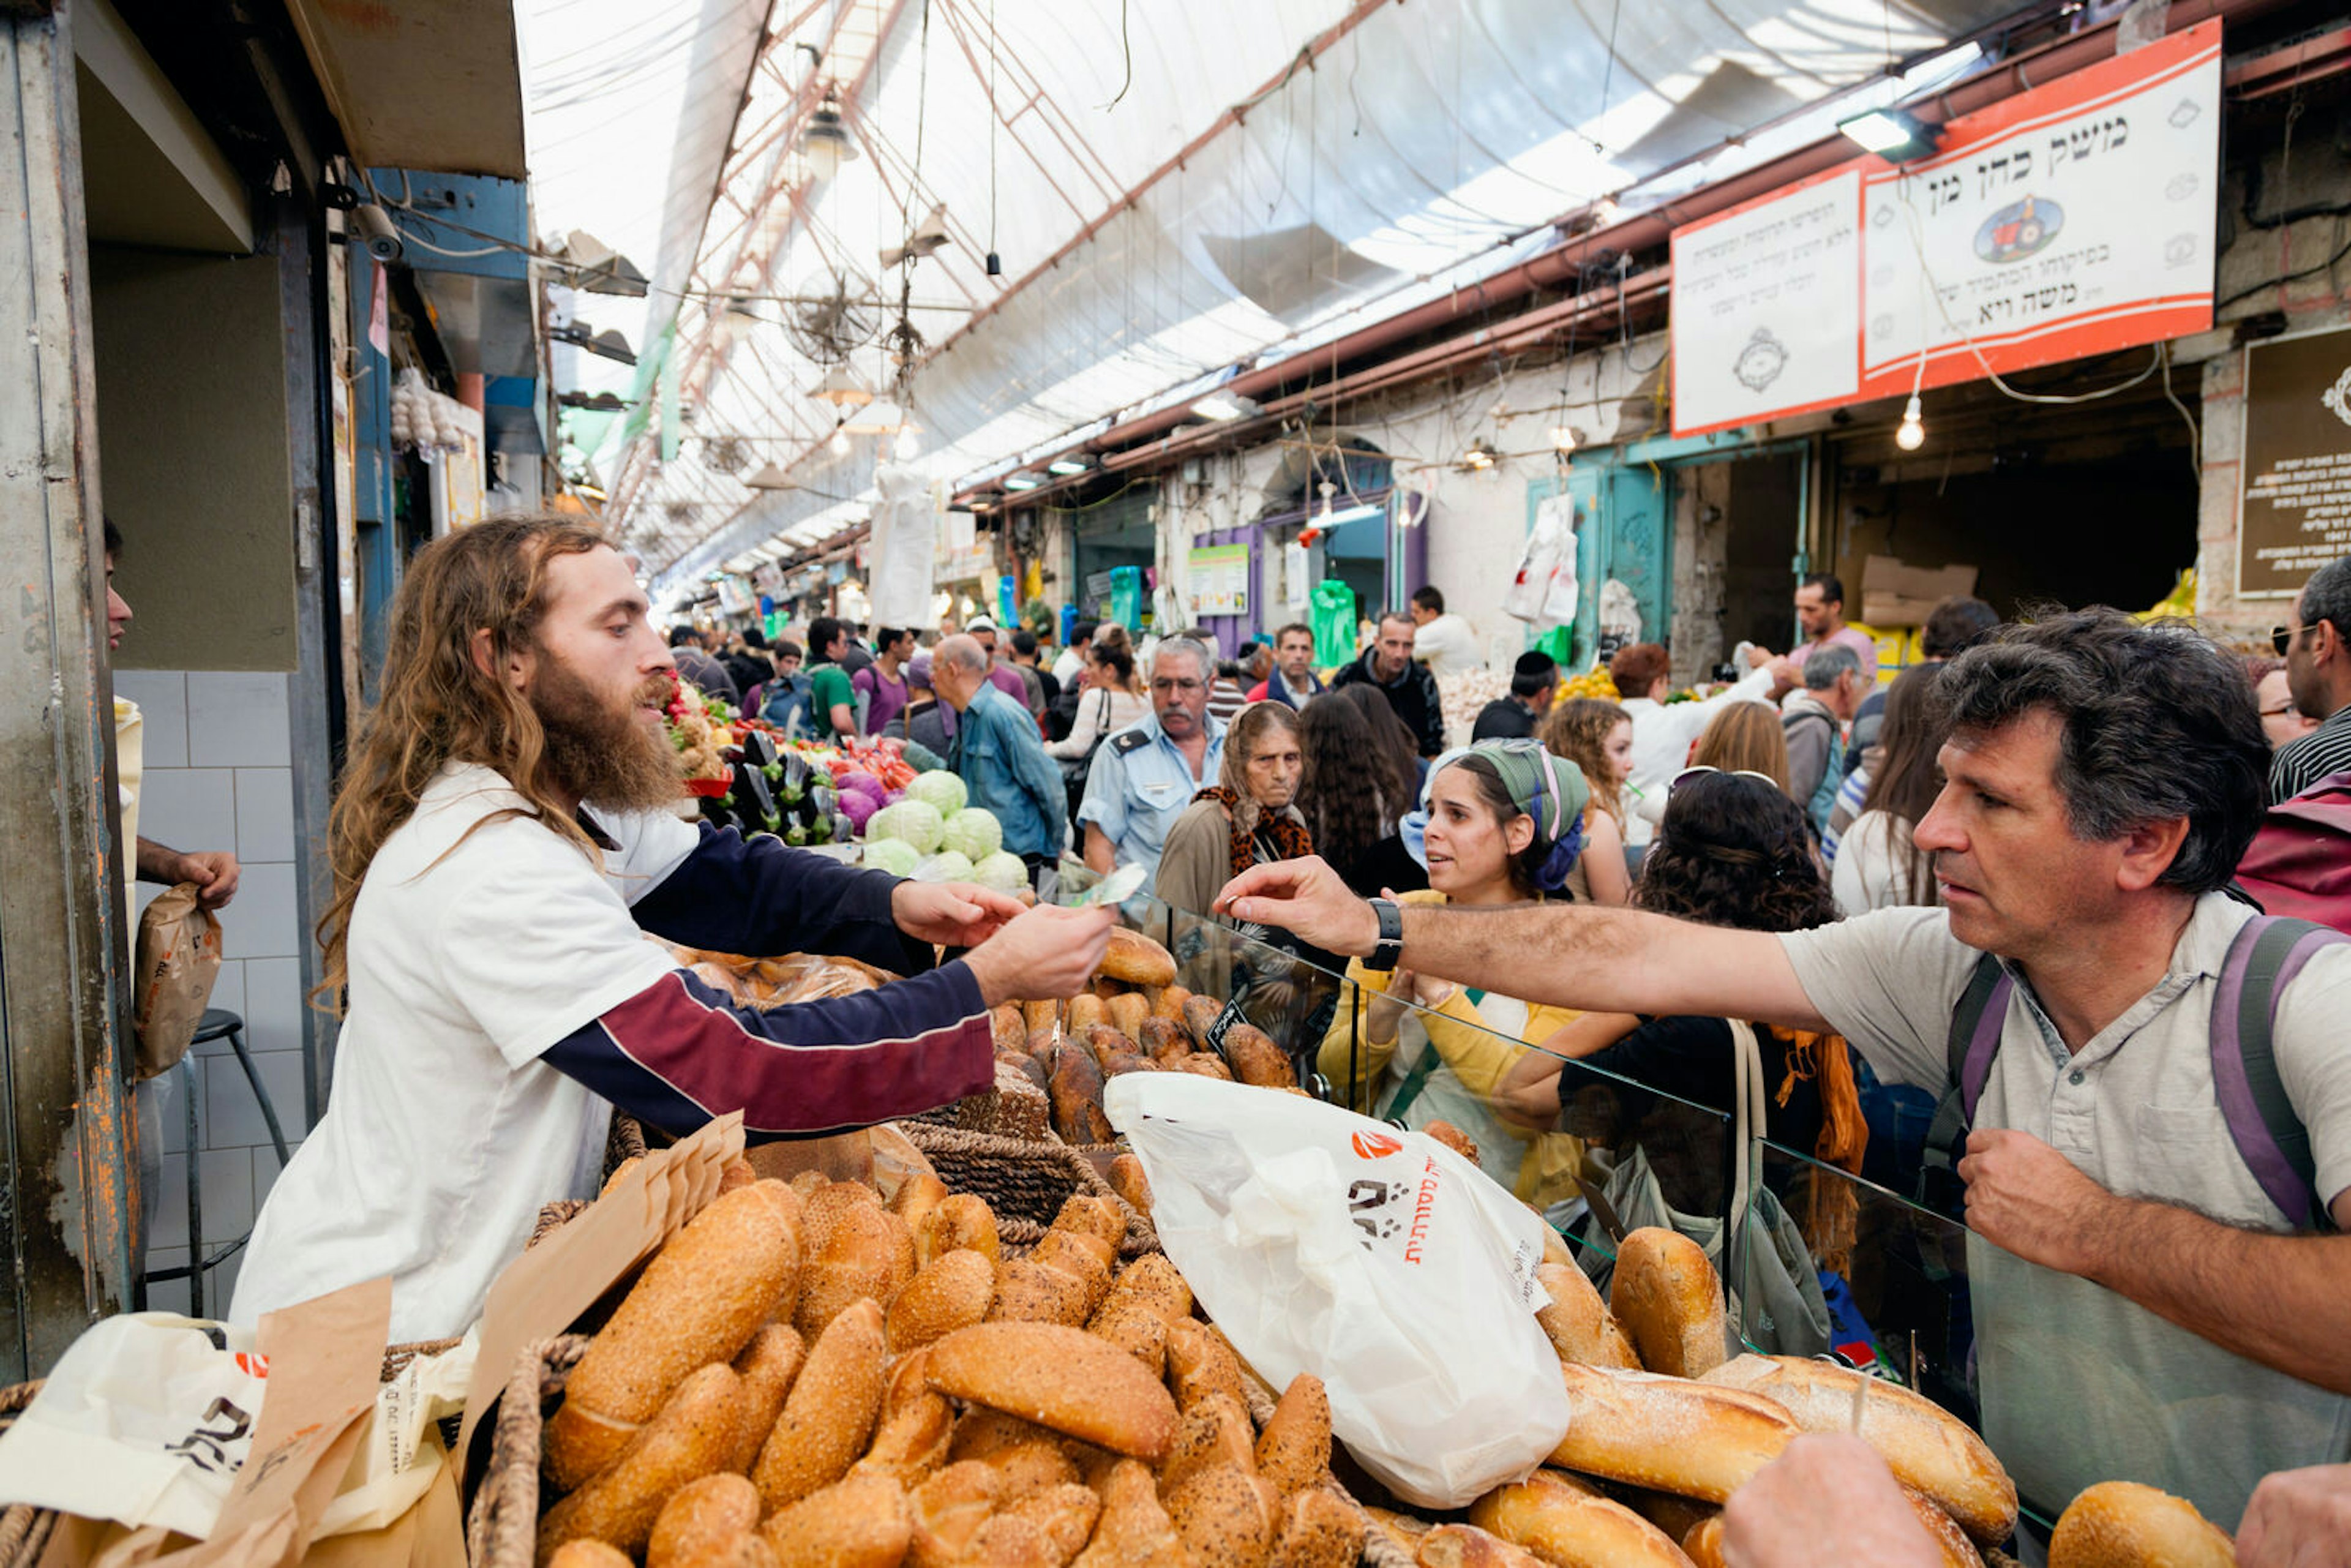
[
  {"x": 589, "y": 1554},
  {"x": 1135, "y": 1329},
  {"x": 1453, "y": 1138},
  {"x": 693, "y": 1435},
  {"x": 2121, "y": 1524},
  {"x": 1028, "y": 1292},
  {"x": 766, "y": 1366},
  {"x": 1318, "y": 1530},
  {"x": 1138, "y": 960},
  {"x": 1578, "y": 1322},
  {"x": 910, "y": 1441},
  {"x": 1703, "y": 1545},
  {"x": 1215, "y": 1431},
  {"x": 1077, "y": 1091},
  {"x": 1127, "y": 1013},
  {"x": 1043, "y": 1014},
  {"x": 1294, "y": 1451},
  {"x": 1561, "y": 1519},
  {"x": 1035, "y": 1466},
  {"x": 1669, "y": 1433},
  {"x": 1200, "y": 1363},
  {"x": 867, "y": 1254},
  {"x": 1134, "y": 1531},
  {"x": 982, "y": 1433},
  {"x": 1255, "y": 1059},
  {"x": 1063, "y": 1378},
  {"x": 828, "y": 1203},
  {"x": 1152, "y": 1282},
  {"x": 1200, "y": 1015},
  {"x": 1007, "y": 1028},
  {"x": 1063, "y": 1515},
  {"x": 919, "y": 1194},
  {"x": 830, "y": 1414},
  {"x": 1133, "y": 1188},
  {"x": 1226, "y": 1517},
  {"x": 1669, "y": 1301},
  {"x": 1466, "y": 1546},
  {"x": 963, "y": 1219},
  {"x": 702, "y": 1522},
  {"x": 1085, "y": 1258},
  {"x": 950, "y": 1292},
  {"x": 1086, "y": 1012},
  {"x": 1207, "y": 1065},
  {"x": 1958, "y": 1551},
  {"x": 946, "y": 1511},
  {"x": 1160, "y": 1037},
  {"x": 1170, "y": 1003},
  {"x": 1089, "y": 1214},
  {"x": 859, "y": 1523},
  {"x": 1923, "y": 1445},
  {"x": 1677, "y": 1516},
  {"x": 730, "y": 1269}
]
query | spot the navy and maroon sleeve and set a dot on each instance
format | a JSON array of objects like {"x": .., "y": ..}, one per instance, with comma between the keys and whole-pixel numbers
[
  {"x": 679, "y": 1053},
  {"x": 761, "y": 897}
]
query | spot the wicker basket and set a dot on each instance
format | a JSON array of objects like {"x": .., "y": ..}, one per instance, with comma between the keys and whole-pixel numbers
[{"x": 1025, "y": 1183}]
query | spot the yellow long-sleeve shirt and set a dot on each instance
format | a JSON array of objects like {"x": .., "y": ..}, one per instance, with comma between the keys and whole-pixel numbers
[{"x": 1475, "y": 1055}]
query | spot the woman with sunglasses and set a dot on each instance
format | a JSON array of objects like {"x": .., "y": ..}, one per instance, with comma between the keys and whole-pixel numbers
[{"x": 1504, "y": 824}]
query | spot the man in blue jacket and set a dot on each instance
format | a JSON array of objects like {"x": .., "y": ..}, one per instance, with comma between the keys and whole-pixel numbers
[{"x": 1000, "y": 755}]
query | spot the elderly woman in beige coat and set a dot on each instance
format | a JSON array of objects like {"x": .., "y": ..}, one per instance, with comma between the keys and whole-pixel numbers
[{"x": 1248, "y": 816}]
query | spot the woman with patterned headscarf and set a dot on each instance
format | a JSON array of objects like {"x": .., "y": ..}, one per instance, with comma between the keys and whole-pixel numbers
[{"x": 1500, "y": 822}]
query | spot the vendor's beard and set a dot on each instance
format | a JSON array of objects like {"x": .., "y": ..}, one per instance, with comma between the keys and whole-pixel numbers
[{"x": 611, "y": 758}]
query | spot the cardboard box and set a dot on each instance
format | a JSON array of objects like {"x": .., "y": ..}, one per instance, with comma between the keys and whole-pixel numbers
[{"x": 1896, "y": 593}]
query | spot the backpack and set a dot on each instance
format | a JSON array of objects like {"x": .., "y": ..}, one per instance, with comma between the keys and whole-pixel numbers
[
  {"x": 1823, "y": 801},
  {"x": 2262, "y": 960},
  {"x": 2299, "y": 862}
]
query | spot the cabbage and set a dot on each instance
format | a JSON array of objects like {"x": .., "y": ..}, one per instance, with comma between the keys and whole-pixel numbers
[
  {"x": 916, "y": 822},
  {"x": 858, "y": 806},
  {"x": 1002, "y": 871},
  {"x": 857, "y": 779},
  {"x": 945, "y": 866},
  {"x": 940, "y": 789},
  {"x": 973, "y": 832},
  {"x": 895, "y": 856}
]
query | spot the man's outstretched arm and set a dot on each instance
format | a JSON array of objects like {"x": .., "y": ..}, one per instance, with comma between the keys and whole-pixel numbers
[{"x": 1570, "y": 956}]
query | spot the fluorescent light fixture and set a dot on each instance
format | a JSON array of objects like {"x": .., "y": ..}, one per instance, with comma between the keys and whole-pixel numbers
[
  {"x": 1076, "y": 462},
  {"x": 1222, "y": 406},
  {"x": 1021, "y": 481},
  {"x": 1352, "y": 515},
  {"x": 1892, "y": 134}
]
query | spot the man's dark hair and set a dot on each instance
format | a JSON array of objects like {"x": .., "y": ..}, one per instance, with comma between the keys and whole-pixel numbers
[
  {"x": 680, "y": 635},
  {"x": 1081, "y": 632},
  {"x": 1956, "y": 625},
  {"x": 1429, "y": 598},
  {"x": 787, "y": 649},
  {"x": 1531, "y": 679},
  {"x": 1300, "y": 627},
  {"x": 1024, "y": 643},
  {"x": 883, "y": 638},
  {"x": 754, "y": 638},
  {"x": 1832, "y": 586},
  {"x": 2325, "y": 596},
  {"x": 1395, "y": 617},
  {"x": 113, "y": 536},
  {"x": 2157, "y": 723},
  {"x": 824, "y": 632}
]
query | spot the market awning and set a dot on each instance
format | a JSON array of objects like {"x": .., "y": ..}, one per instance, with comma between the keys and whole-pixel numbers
[{"x": 423, "y": 84}]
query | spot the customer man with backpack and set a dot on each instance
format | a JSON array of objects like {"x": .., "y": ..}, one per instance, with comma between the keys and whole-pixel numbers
[
  {"x": 2158, "y": 1103},
  {"x": 1814, "y": 720},
  {"x": 2316, "y": 646}
]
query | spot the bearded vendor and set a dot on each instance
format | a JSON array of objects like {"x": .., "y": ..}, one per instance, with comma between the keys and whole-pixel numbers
[{"x": 503, "y": 842}]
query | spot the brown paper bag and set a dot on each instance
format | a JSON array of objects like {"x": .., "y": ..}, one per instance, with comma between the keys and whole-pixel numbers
[{"x": 178, "y": 957}]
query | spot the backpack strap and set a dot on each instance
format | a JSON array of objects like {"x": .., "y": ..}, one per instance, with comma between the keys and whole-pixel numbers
[
  {"x": 1976, "y": 1023},
  {"x": 2267, "y": 953}
]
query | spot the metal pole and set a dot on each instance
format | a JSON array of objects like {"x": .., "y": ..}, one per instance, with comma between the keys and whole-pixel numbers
[{"x": 66, "y": 1118}]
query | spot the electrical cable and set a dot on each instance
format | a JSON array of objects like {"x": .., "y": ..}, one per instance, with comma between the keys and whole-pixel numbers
[{"x": 1126, "y": 51}]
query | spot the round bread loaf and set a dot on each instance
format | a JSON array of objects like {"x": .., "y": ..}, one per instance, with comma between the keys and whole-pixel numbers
[
  {"x": 1925, "y": 1447},
  {"x": 1669, "y": 1433},
  {"x": 960, "y": 1220},
  {"x": 1578, "y": 1322},
  {"x": 1064, "y": 1378},
  {"x": 950, "y": 1294},
  {"x": 1668, "y": 1299},
  {"x": 830, "y": 1414},
  {"x": 2122, "y": 1524},
  {"x": 705, "y": 1293},
  {"x": 589, "y": 1554},
  {"x": 1561, "y": 1519},
  {"x": 1137, "y": 959}
]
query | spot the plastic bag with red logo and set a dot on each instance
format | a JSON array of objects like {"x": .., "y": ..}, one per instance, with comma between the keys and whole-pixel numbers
[{"x": 1379, "y": 1260}]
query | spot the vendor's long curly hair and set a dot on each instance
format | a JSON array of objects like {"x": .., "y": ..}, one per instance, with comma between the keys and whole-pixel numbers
[
  {"x": 1347, "y": 793},
  {"x": 1734, "y": 851},
  {"x": 438, "y": 706}
]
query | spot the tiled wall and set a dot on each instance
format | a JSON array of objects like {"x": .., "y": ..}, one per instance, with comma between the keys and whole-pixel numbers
[{"x": 218, "y": 776}]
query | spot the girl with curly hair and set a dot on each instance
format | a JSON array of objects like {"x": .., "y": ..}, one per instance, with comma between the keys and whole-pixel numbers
[{"x": 1597, "y": 737}]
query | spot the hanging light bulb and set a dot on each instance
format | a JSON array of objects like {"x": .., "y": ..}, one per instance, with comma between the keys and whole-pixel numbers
[
  {"x": 1911, "y": 433},
  {"x": 908, "y": 446},
  {"x": 839, "y": 442},
  {"x": 1562, "y": 439}
]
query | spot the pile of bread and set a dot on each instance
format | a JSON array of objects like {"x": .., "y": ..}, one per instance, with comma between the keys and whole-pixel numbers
[
  {"x": 804, "y": 1377},
  {"x": 779, "y": 981},
  {"x": 1134, "y": 1019}
]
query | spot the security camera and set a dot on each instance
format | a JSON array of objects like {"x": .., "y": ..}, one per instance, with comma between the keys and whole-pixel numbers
[{"x": 374, "y": 226}]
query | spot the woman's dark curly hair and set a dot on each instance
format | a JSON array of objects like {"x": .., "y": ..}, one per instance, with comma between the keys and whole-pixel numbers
[
  {"x": 1734, "y": 851},
  {"x": 1348, "y": 793}
]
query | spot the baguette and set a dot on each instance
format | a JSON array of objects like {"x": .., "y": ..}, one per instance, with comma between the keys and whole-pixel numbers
[
  {"x": 859, "y": 1523},
  {"x": 1215, "y": 1431},
  {"x": 731, "y": 1269},
  {"x": 702, "y": 1522},
  {"x": 830, "y": 1414},
  {"x": 1318, "y": 1530},
  {"x": 766, "y": 1366},
  {"x": 869, "y": 1254},
  {"x": 1295, "y": 1448},
  {"x": 1669, "y": 1433},
  {"x": 1924, "y": 1447},
  {"x": 1226, "y": 1517},
  {"x": 1669, "y": 1301},
  {"x": 1703, "y": 1545},
  {"x": 1138, "y": 960},
  {"x": 2121, "y": 1524},
  {"x": 1063, "y": 1378},
  {"x": 1133, "y": 1188},
  {"x": 1134, "y": 1531},
  {"x": 1200, "y": 1363},
  {"x": 1466, "y": 1546},
  {"x": 1578, "y": 1322},
  {"x": 951, "y": 1292},
  {"x": 690, "y": 1437},
  {"x": 1561, "y": 1519}
]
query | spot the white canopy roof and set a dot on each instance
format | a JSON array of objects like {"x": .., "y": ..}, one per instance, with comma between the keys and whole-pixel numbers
[{"x": 1273, "y": 172}]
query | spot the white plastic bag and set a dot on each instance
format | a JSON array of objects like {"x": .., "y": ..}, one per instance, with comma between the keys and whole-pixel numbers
[
  {"x": 1550, "y": 542},
  {"x": 1380, "y": 1260}
]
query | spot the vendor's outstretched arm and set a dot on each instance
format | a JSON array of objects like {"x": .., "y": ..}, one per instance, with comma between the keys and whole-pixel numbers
[
  {"x": 761, "y": 897},
  {"x": 2025, "y": 1196},
  {"x": 1570, "y": 956}
]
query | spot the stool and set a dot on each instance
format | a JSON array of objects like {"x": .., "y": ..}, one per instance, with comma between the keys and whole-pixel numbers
[{"x": 218, "y": 1023}]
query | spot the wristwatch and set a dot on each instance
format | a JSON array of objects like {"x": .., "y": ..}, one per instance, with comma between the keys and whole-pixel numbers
[{"x": 1385, "y": 956}]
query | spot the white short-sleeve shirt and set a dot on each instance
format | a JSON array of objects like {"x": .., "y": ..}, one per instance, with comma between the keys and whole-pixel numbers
[
  {"x": 476, "y": 943},
  {"x": 2080, "y": 1385}
]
